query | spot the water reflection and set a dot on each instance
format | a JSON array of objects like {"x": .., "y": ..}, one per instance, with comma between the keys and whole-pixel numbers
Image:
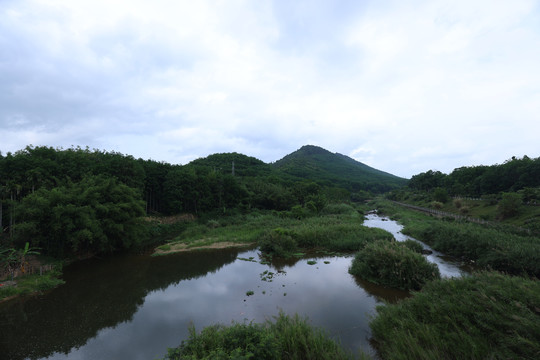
[{"x": 135, "y": 307}]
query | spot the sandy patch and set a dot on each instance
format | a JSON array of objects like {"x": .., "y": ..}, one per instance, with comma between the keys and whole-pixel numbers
[{"x": 185, "y": 247}]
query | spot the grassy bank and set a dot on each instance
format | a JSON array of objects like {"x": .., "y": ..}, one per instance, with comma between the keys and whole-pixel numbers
[
  {"x": 490, "y": 248},
  {"x": 337, "y": 228},
  {"x": 284, "y": 338},
  {"x": 485, "y": 316},
  {"x": 28, "y": 284}
]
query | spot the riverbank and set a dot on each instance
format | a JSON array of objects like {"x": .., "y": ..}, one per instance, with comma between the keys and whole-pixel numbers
[
  {"x": 280, "y": 234},
  {"x": 482, "y": 315},
  {"x": 173, "y": 248},
  {"x": 30, "y": 284}
]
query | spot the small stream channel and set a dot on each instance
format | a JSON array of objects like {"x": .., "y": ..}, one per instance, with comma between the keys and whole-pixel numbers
[
  {"x": 447, "y": 266},
  {"x": 134, "y": 307}
]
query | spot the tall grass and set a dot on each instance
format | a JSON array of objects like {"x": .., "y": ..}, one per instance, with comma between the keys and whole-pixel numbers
[
  {"x": 485, "y": 316},
  {"x": 490, "y": 248},
  {"x": 284, "y": 338},
  {"x": 393, "y": 264},
  {"x": 341, "y": 233},
  {"x": 338, "y": 230}
]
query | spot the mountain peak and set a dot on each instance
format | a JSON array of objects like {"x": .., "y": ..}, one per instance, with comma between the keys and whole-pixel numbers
[{"x": 320, "y": 165}]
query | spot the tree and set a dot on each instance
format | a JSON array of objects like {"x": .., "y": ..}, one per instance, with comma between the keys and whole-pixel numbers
[
  {"x": 509, "y": 205},
  {"x": 95, "y": 215},
  {"x": 440, "y": 195}
]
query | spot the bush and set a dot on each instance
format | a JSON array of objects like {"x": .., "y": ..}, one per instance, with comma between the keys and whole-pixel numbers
[
  {"x": 436, "y": 205},
  {"x": 337, "y": 209},
  {"x": 485, "y": 316},
  {"x": 278, "y": 242},
  {"x": 393, "y": 264},
  {"x": 413, "y": 245},
  {"x": 286, "y": 338}
]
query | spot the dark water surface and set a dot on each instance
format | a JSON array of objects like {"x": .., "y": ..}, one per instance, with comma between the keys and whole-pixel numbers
[{"x": 134, "y": 307}]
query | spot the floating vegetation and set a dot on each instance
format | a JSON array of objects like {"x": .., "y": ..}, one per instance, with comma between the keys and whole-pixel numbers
[
  {"x": 267, "y": 276},
  {"x": 311, "y": 262},
  {"x": 327, "y": 262},
  {"x": 251, "y": 259},
  {"x": 250, "y": 292}
]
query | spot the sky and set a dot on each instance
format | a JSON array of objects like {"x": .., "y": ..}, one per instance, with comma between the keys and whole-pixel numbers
[{"x": 402, "y": 86}]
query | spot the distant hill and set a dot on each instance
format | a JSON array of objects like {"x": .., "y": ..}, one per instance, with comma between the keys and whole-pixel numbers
[
  {"x": 327, "y": 168},
  {"x": 244, "y": 166}
]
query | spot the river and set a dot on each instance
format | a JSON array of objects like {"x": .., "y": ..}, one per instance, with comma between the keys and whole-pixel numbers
[{"x": 134, "y": 307}]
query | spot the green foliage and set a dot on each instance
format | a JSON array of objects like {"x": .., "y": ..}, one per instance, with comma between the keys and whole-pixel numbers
[
  {"x": 278, "y": 242},
  {"x": 489, "y": 248},
  {"x": 436, "y": 205},
  {"x": 319, "y": 165},
  {"x": 393, "y": 264},
  {"x": 338, "y": 209},
  {"x": 485, "y": 316},
  {"x": 340, "y": 233},
  {"x": 97, "y": 214},
  {"x": 509, "y": 205},
  {"x": 441, "y": 195},
  {"x": 413, "y": 245},
  {"x": 511, "y": 176},
  {"x": 33, "y": 283},
  {"x": 285, "y": 338}
]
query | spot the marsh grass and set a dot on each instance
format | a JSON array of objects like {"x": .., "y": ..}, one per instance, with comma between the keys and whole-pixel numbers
[
  {"x": 287, "y": 337},
  {"x": 498, "y": 248},
  {"x": 485, "y": 316},
  {"x": 488, "y": 248},
  {"x": 393, "y": 264},
  {"x": 330, "y": 234},
  {"x": 280, "y": 236}
]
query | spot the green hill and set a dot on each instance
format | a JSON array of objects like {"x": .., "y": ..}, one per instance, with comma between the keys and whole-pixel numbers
[
  {"x": 244, "y": 166},
  {"x": 333, "y": 169}
]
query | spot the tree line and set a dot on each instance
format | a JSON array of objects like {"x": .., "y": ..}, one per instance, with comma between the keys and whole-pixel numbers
[
  {"x": 77, "y": 200},
  {"x": 515, "y": 174}
]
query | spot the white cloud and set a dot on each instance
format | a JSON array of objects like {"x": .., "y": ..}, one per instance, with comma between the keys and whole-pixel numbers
[{"x": 425, "y": 84}]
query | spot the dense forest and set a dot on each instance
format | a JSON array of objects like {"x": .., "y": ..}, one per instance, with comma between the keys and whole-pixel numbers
[
  {"x": 72, "y": 201},
  {"x": 516, "y": 174}
]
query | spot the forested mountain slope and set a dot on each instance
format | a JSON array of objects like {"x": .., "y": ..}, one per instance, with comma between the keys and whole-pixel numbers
[{"x": 322, "y": 166}]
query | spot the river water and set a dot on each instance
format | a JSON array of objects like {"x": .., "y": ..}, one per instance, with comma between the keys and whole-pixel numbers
[
  {"x": 134, "y": 307},
  {"x": 447, "y": 266}
]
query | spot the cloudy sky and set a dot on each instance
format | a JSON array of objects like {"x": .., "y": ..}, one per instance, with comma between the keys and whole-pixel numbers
[{"x": 403, "y": 86}]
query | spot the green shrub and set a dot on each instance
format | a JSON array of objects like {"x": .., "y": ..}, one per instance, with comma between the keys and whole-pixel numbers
[
  {"x": 285, "y": 338},
  {"x": 436, "y": 205},
  {"x": 485, "y": 316},
  {"x": 337, "y": 209},
  {"x": 278, "y": 242},
  {"x": 413, "y": 245},
  {"x": 393, "y": 264}
]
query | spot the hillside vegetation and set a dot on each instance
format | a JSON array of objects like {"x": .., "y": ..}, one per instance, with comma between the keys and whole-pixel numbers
[
  {"x": 315, "y": 163},
  {"x": 79, "y": 201}
]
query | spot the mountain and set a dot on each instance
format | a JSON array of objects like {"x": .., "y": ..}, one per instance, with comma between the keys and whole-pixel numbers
[{"x": 327, "y": 168}]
